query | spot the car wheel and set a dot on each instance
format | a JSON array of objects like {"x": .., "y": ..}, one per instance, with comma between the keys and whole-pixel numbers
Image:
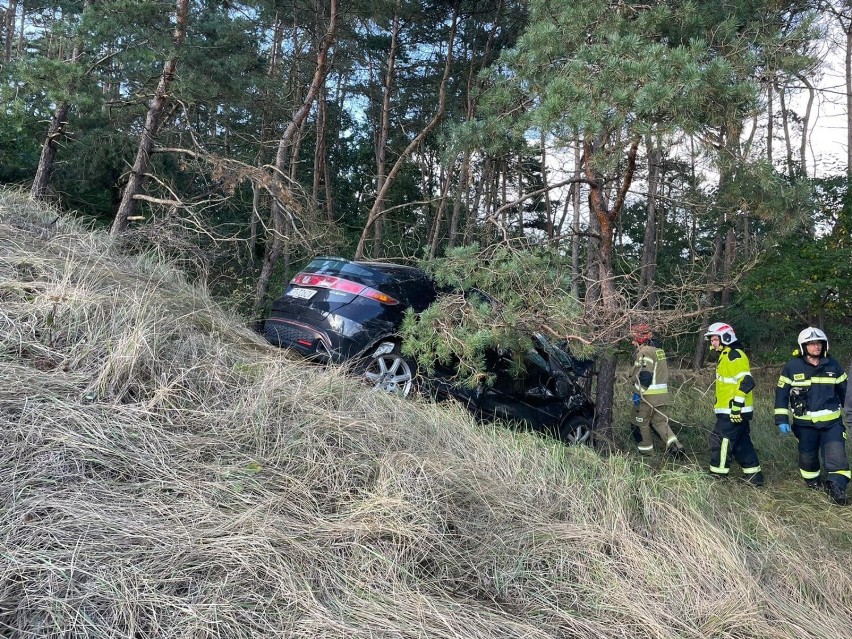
[
  {"x": 390, "y": 371},
  {"x": 576, "y": 429}
]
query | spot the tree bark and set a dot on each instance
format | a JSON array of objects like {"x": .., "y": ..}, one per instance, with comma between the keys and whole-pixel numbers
[
  {"x": 806, "y": 122},
  {"x": 377, "y": 210},
  {"x": 848, "y": 74},
  {"x": 576, "y": 275},
  {"x": 383, "y": 131},
  {"x": 788, "y": 141},
  {"x": 38, "y": 191},
  {"x": 770, "y": 118},
  {"x": 56, "y": 128},
  {"x": 648, "y": 267},
  {"x": 442, "y": 207},
  {"x": 461, "y": 193},
  {"x": 9, "y": 30},
  {"x": 152, "y": 124},
  {"x": 604, "y": 291},
  {"x": 283, "y": 156}
]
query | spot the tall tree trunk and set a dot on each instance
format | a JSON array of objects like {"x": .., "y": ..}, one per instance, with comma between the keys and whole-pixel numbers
[
  {"x": 442, "y": 207},
  {"x": 461, "y": 193},
  {"x": 377, "y": 210},
  {"x": 56, "y": 128},
  {"x": 549, "y": 222},
  {"x": 576, "y": 273},
  {"x": 272, "y": 71},
  {"x": 38, "y": 191},
  {"x": 383, "y": 129},
  {"x": 848, "y": 74},
  {"x": 472, "y": 91},
  {"x": 319, "y": 150},
  {"x": 152, "y": 124},
  {"x": 482, "y": 187},
  {"x": 9, "y": 30},
  {"x": 770, "y": 118},
  {"x": 283, "y": 155},
  {"x": 788, "y": 138},
  {"x": 606, "y": 216},
  {"x": 728, "y": 266},
  {"x": 648, "y": 267},
  {"x": 806, "y": 122}
]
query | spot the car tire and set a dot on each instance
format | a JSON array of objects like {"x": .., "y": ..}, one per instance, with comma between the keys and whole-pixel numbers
[
  {"x": 390, "y": 372},
  {"x": 576, "y": 429}
]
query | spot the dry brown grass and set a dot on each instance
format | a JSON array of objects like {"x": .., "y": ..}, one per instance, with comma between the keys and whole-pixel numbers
[{"x": 164, "y": 473}]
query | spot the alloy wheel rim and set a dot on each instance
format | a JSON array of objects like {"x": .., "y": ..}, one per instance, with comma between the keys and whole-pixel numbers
[{"x": 391, "y": 375}]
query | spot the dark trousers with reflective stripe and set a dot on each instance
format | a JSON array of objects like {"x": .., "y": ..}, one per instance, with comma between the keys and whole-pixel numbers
[
  {"x": 828, "y": 440},
  {"x": 729, "y": 440}
]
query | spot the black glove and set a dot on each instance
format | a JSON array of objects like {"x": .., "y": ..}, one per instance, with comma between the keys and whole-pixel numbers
[{"x": 736, "y": 410}]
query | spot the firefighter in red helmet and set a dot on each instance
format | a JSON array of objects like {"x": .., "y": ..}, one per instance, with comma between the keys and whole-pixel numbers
[{"x": 650, "y": 376}]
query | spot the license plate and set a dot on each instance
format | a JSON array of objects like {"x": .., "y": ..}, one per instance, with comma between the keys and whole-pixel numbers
[{"x": 302, "y": 293}]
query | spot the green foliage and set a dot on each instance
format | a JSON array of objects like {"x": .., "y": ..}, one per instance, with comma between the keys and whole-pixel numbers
[
  {"x": 803, "y": 279},
  {"x": 495, "y": 298}
]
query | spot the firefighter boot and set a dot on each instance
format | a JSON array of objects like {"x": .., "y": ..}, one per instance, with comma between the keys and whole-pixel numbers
[
  {"x": 837, "y": 494},
  {"x": 755, "y": 479},
  {"x": 676, "y": 452},
  {"x": 814, "y": 484}
]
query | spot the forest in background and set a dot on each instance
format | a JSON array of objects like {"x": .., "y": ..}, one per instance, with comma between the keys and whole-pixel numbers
[{"x": 652, "y": 161}]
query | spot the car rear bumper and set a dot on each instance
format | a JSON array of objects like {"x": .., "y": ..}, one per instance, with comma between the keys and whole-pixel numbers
[{"x": 310, "y": 341}]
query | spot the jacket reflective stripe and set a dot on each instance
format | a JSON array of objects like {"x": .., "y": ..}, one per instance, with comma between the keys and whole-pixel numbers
[
  {"x": 650, "y": 366},
  {"x": 653, "y": 389},
  {"x": 813, "y": 380},
  {"x": 821, "y": 388},
  {"x": 820, "y": 416},
  {"x": 732, "y": 380},
  {"x": 727, "y": 411}
]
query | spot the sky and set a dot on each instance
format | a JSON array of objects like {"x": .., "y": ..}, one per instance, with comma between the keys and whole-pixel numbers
[{"x": 828, "y": 133}]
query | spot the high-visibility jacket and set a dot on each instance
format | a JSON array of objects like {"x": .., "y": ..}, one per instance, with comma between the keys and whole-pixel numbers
[
  {"x": 847, "y": 405},
  {"x": 651, "y": 374},
  {"x": 822, "y": 389},
  {"x": 733, "y": 381}
]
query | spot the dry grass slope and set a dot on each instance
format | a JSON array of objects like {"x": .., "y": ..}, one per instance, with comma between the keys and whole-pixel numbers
[{"x": 164, "y": 473}]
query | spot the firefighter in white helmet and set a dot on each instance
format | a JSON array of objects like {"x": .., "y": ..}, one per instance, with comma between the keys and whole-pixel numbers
[
  {"x": 731, "y": 436},
  {"x": 810, "y": 395}
]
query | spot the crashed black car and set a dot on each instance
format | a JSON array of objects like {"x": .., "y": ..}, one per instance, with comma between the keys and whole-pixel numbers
[{"x": 338, "y": 310}]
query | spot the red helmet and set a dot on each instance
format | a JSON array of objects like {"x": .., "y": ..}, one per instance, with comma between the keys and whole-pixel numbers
[{"x": 641, "y": 332}]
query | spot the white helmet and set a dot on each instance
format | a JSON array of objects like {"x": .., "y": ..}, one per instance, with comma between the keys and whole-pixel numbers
[
  {"x": 811, "y": 334},
  {"x": 724, "y": 331}
]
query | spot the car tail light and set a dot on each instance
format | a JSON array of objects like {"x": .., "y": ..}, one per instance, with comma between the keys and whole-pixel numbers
[{"x": 339, "y": 284}]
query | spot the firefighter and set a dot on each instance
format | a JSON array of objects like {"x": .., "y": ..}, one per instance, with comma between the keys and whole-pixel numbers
[
  {"x": 650, "y": 377},
  {"x": 847, "y": 405},
  {"x": 731, "y": 436},
  {"x": 812, "y": 388}
]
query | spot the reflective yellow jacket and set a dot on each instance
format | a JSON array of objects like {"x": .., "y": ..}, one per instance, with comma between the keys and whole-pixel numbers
[{"x": 733, "y": 380}]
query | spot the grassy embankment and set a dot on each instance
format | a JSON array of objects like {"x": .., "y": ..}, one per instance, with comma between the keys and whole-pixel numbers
[{"x": 164, "y": 473}]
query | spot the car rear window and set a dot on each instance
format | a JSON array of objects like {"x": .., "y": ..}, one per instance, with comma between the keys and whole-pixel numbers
[{"x": 329, "y": 266}]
